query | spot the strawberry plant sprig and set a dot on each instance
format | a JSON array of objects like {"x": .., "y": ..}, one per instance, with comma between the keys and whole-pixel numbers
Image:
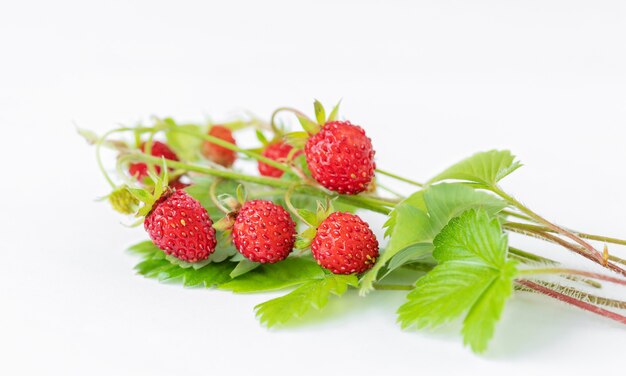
[{"x": 213, "y": 225}]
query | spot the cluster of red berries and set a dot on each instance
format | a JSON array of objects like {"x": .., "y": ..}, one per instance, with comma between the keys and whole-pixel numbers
[{"x": 340, "y": 158}]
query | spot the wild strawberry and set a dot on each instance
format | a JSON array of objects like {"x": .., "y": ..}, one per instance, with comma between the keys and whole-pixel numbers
[
  {"x": 140, "y": 170},
  {"x": 344, "y": 244},
  {"x": 341, "y": 158},
  {"x": 264, "y": 232},
  {"x": 277, "y": 152},
  {"x": 181, "y": 227},
  {"x": 216, "y": 153}
]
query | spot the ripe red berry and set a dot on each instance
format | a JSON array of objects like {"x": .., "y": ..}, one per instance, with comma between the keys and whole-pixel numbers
[
  {"x": 216, "y": 153},
  {"x": 277, "y": 152},
  {"x": 344, "y": 244},
  {"x": 181, "y": 227},
  {"x": 159, "y": 149},
  {"x": 264, "y": 232},
  {"x": 341, "y": 158}
]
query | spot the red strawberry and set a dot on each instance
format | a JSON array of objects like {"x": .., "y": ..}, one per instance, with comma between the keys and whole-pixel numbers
[
  {"x": 216, "y": 153},
  {"x": 344, "y": 244},
  {"x": 341, "y": 158},
  {"x": 181, "y": 227},
  {"x": 159, "y": 149},
  {"x": 277, "y": 152},
  {"x": 264, "y": 232}
]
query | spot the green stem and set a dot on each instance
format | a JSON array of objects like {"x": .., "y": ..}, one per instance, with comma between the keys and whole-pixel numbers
[
  {"x": 233, "y": 147},
  {"x": 530, "y": 256},
  {"x": 517, "y": 215},
  {"x": 380, "y": 286},
  {"x": 292, "y": 208},
  {"x": 368, "y": 203},
  {"x": 588, "y": 247},
  {"x": 583, "y": 235},
  {"x": 578, "y": 294},
  {"x": 572, "y": 247},
  {"x": 385, "y": 188},
  {"x": 216, "y": 202},
  {"x": 99, "y": 143},
  {"x": 289, "y": 109},
  {"x": 400, "y": 178}
]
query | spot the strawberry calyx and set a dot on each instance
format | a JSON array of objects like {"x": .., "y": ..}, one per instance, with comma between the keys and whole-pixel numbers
[{"x": 160, "y": 191}]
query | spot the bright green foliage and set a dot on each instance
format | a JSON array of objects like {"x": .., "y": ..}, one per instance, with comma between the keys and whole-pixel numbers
[
  {"x": 207, "y": 276},
  {"x": 312, "y": 294},
  {"x": 290, "y": 272},
  {"x": 485, "y": 168},
  {"x": 473, "y": 276},
  {"x": 157, "y": 265},
  {"x": 416, "y": 221}
]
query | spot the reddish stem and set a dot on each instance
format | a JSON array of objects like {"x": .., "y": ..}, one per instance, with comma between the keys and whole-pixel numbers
[{"x": 573, "y": 301}]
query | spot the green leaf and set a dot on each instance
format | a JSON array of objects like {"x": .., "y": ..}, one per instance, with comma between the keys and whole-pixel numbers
[
  {"x": 312, "y": 294},
  {"x": 147, "y": 250},
  {"x": 243, "y": 267},
  {"x": 207, "y": 276},
  {"x": 200, "y": 190},
  {"x": 473, "y": 276},
  {"x": 485, "y": 168},
  {"x": 290, "y": 272},
  {"x": 416, "y": 221},
  {"x": 412, "y": 226},
  {"x": 90, "y": 136},
  {"x": 320, "y": 113},
  {"x": 186, "y": 146},
  {"x": 297, "y": 139}
]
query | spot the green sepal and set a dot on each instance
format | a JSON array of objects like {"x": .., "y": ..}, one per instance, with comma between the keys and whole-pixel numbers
[
  {"x": 305, "y": 238},
  {"x": 241, "y": 194},
  {"x": 309, "y": 126},
  {"x": 297, "y": 139},
  {"x": 308, "y": 216},
  {"x": 320, "y": 113},
  {"x": 334, "y": 113},
  {"x": 261, "y": 137}
]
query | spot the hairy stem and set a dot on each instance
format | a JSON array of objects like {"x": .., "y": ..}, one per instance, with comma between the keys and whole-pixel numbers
[
  {"x": 566, "y": 271},
  {"x": 588, "y": 247},
  {"x": 570, "y": 300},
  {"x": 572, "y": 247},
  {"x": 583, "y": 235},
  {"x": 578, "y": 294}
]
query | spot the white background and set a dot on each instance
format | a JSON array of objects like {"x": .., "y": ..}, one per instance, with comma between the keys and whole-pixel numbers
[{"x": 431, "y": 81}]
